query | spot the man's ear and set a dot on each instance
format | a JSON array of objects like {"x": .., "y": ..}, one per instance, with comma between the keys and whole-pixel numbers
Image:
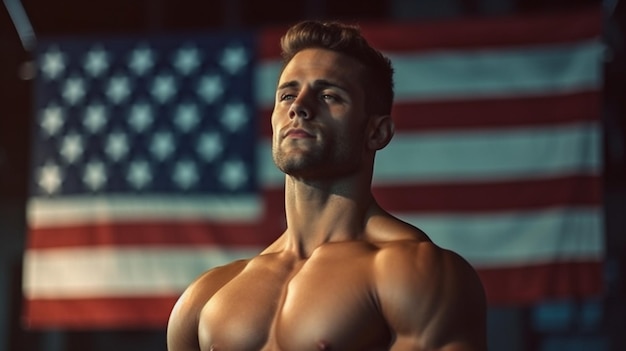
[{"x": 380, "y": 132}]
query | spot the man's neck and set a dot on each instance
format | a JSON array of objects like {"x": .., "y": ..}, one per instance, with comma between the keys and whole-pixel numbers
[{"x": 320, "y": 212}]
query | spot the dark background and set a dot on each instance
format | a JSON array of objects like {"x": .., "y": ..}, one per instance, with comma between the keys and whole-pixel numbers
[{"x": 576, "y": 325}]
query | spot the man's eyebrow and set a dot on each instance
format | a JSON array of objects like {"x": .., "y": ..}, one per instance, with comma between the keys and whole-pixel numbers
[
  {"x": 320, "y": 83},
  {"x": 323, "y": 83},
  {"x": 289, "y": 84}
]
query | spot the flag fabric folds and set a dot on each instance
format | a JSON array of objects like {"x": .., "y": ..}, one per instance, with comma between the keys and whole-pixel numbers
[{"x": 152, "y": 163}]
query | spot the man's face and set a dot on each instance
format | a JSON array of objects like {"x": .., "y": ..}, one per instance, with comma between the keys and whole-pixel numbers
[{"x": 319, "y": 120}]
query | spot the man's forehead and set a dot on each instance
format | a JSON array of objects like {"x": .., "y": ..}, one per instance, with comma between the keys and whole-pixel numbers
[{"x": 321, "y": 65}]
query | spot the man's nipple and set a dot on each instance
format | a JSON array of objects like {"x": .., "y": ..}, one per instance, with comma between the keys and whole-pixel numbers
[{"x": 323, "y": 346}]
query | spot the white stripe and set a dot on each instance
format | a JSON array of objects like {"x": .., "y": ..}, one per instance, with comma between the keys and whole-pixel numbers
[
  {"x": 46, "y": 212},
  {"x": 492, "y": 240},
  {"x": 486, "y": 240},
  {"x": 110, "y": 272},
  {"x": 452, "y": 74},
  {"x": 515, "y": 72},
  {"x": 465, "y": 156}
]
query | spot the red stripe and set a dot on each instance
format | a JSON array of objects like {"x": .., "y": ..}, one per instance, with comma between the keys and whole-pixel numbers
[
  {"x": 133, "y": 312},
  {"x": 466, "y": 33},
  {"x": 556, "y": 280},
  {"x": 485, "y": 113},
  {"x": 520, "y": 285},
  {"x": 153, "y": 233},
  {"x": 156, "y": 233},
  {"x": 498, "y": 113},
  {"x": 526, "y": 194}
]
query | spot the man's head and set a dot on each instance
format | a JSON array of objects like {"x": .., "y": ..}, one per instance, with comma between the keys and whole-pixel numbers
[
  {"x": 347, "y": 40},
  {"x": 333, "y": 102}
]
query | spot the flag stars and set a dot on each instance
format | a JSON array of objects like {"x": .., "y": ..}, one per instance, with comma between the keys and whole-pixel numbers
[
  {"x": 94, "y": 176},
  {"x": 234, "y": 116},
  {"x": 162, "y": 145},
  {"x": 233, "y": 174},
  {"x": 53, "y": 63},
  {"x": 73, "y": 90},
  {"x": 72, "y": 147},
  {"x": 163, "y": 88},
  {"x": 50, "y": 178},
  {"x": 117, "y": 146},
  {"x": 186, "y": 117},
  {"x": 210, "y": 88},
  {"x": 118, "y": 89},
  {"x": 185, "y": 174},
  {"x": 95, "y": 118},
  {"x": 187, "y": 60},
  {"x": 209, "y": 146},
  {"x": 119, "y": 127},
  {"x": 141, "y": 60},
  {"x": 234, "y": 59},
  {"x": 96, "y": 62},
  {"x": 52, "y": 119},
  {"x": 141, "y": 117},
  {"x": 139, "y": 174}
]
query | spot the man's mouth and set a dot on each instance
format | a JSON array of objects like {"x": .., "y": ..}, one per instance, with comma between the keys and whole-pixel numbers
[{"x": 298, "y": 133}]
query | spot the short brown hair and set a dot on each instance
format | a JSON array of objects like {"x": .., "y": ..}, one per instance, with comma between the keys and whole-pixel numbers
[{"x": 346, "y": 39}]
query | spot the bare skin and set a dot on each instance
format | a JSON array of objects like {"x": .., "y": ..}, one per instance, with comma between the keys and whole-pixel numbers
[{"x": 345, "y": 275}]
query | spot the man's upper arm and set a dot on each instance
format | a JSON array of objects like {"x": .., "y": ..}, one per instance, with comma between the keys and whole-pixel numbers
[
  {"x": 431, "y": 298},
  {"x": 182, "y": 326}
]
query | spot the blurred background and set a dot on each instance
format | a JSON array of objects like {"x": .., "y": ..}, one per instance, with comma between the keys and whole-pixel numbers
[{"x": 554, "y": 278}]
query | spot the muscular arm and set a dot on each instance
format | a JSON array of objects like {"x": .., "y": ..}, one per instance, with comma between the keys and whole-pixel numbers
[
  {"x": 182, "y": 327},
  {"x": 432, "y": 299}
]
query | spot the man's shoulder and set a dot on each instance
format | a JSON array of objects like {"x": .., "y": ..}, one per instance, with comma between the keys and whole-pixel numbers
[
  {"x": 428, "y": 288},
  {"x": 220, "y": 275},
  {"x": 421, "y": 263}
]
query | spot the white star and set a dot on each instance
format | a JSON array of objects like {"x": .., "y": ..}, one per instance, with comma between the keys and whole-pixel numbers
[
  {"x": 162, "y": 145},
  {"x": 53, "y": 63},
  {"x": 185, "y": 174},
  {"x": 139, "y": 174},
  {"x": 118, "y": 89},
  {"x": 72, "y": 147},
  {"x": 94, "y": 176},
  {"x": 186, "y": 117},
  {"x": 234, "y": 59},
  {"x": 210, "y": 88},
  {"x": 234, "y": 116},
  {"x": 73, "y": 90},
  {"x": 96, "y": 62},
  {"x": 95, "y": 118},
  {"x": 140, "y": 117},
  {"x": 209, "y": 146},
  {"x": 141, "y": 60},
  {"x": 187, "y": 60},
  {"x": 233, "y": 174},
  {"x": 52, "y": 119},
  {"x": 117, "y": 146},
  {"x": 163, "y": 88},
  {"x": 50, "y": 178}
]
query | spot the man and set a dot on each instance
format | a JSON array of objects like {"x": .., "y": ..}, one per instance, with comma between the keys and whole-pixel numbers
[{"x": 345, "y": 274}]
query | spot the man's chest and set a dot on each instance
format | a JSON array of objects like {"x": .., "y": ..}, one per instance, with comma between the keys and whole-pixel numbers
[{"x": 319, "y": 304}]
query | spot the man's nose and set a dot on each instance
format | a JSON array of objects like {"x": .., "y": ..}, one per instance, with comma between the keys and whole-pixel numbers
[{"x": 301, "y": 107}]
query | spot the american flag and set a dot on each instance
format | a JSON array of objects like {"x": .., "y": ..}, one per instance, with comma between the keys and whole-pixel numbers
[{"x": 152, "y": 160}]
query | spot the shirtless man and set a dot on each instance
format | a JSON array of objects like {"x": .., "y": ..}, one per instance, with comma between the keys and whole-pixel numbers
[{"x": 345, "y": 275}]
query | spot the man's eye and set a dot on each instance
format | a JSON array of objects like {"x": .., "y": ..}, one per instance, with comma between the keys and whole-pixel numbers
[
  {"x": 329, "y": 97},
  {"x": 285, "y": 97}
]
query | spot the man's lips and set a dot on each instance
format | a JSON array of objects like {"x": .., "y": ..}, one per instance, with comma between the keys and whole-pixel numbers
[{"x": 298, "y": 133}]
